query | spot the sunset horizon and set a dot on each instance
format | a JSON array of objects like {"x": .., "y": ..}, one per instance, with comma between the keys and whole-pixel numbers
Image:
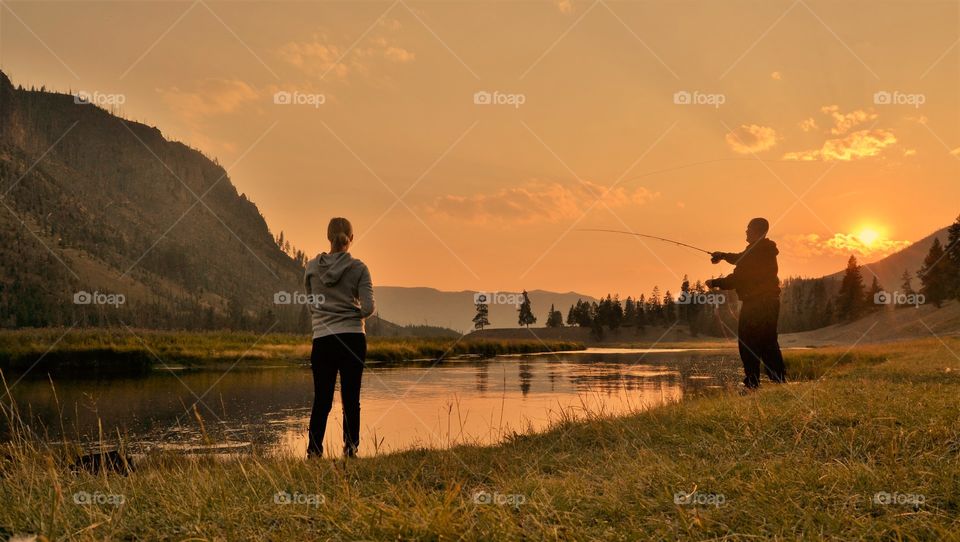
[
  {"x": 479, "y": 270},
  {"x": 492, "y": 194}
]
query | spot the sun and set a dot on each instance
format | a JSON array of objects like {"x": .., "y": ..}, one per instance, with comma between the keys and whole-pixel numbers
[{"x": 868, "y": 236}]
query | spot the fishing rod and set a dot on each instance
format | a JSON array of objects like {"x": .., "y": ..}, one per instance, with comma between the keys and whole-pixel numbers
[{"x": 678, "y": 243}]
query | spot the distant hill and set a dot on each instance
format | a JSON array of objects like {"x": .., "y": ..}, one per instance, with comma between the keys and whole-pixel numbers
[
  {"x": 887, "y": 324},
  {"x": 455, "y": 310},
  {"x": 99, "y": 204},
  {"x": 889, "y": 269}
]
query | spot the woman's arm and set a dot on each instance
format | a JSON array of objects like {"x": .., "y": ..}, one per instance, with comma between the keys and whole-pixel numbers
[{"x": 365, "y": 291}]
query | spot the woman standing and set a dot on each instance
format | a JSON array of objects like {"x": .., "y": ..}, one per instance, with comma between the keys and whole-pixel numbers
[{"x": 342, "y": 298}]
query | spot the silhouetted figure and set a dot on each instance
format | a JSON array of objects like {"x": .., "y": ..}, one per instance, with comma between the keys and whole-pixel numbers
[
  {"x": 756, "y": 283},
  {"x": 343, "y": 300}
]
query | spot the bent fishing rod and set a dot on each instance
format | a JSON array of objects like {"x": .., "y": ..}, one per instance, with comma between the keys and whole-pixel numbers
[{"x": 664, "y": 239}]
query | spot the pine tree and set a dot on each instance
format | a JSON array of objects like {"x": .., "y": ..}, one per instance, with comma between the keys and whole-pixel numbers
[
  {"x": 850, "y": 297},
  {"x": 655, "y": 309},
  {"x": 906, "y": 288},
  {"x": 870, "y": 298},
  {"x": 629, "y": 312},
  {"x": 936, "y": 275},
  {"x": 906, "y": 283},
  {"x": 481, "y": 319},
  {"x": 554, "y": 318},
  {"x": 616, "y": 313},
  {"x": 526, "y": 316},
  {"x": 641, "y": 313},
  {"x": 685, "y": 307},
  {"x": 669, "y": 308},
  {"x": 953, "y": 254},
  {"x": 581, "y": 314}
]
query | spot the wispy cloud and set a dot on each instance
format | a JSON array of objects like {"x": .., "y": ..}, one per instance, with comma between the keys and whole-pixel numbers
[
  {"x": 751, "y": 138},
  {"x": 841, "y": 244},
  {"x": 844, "y": 122},
  {"x": 321, "y": 56},
  {"x": 535, "y": 201},
  {"x": 808, "y": 124},
  {"x": 854, "y": 146},
  {"x": 208, "y": 98}
]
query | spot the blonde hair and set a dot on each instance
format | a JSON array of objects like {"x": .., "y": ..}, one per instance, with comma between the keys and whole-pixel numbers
[{"x": 339, "y": 233}]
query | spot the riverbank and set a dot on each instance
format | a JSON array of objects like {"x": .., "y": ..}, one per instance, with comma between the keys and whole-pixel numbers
[
  {"x": 135, "y": 351},
  {"x": 868, "y": 449}
]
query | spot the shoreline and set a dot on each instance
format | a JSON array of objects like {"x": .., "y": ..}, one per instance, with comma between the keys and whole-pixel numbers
[
  {"x": 128, "y": 352},
  {"x": 874, "y": 420}
]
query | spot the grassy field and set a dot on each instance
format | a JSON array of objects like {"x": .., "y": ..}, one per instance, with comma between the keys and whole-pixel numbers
[
  {"x": 868, "y": 448},
  {"x": 137, "y": 351}
]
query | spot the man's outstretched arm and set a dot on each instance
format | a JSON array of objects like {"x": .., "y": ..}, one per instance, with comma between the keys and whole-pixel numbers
[{"x": 729, "y": 257}]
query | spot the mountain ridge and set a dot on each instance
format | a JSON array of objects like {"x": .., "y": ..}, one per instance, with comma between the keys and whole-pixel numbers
[
  {"x": 890, "y": 268},
  {"x": 96, "y": 202}
]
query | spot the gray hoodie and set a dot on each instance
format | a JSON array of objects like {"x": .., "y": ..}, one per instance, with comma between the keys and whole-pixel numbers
[{"x": 342, "y": 286}]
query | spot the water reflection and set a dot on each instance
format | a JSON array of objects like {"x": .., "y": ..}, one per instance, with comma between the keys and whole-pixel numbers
[{"x": 452, "y": 403}]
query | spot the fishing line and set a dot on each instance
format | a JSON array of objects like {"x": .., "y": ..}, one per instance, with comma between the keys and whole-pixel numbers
[{"x": 664, "y": 239}]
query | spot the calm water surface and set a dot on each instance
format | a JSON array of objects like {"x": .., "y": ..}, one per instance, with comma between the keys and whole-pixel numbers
[{"x": 451, "y": 403}]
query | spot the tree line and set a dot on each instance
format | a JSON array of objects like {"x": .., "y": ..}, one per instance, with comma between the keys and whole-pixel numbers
[{"x": 806, "y": 303}]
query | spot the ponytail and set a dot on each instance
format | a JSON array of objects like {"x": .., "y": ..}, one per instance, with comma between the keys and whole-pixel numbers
[{"x": 339, "y": 233}]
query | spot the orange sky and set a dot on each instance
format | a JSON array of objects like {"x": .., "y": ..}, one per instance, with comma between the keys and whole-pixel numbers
[{"x": 852, "y": 108}]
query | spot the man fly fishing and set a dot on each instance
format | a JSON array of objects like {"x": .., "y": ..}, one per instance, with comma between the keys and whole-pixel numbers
[{"x": 755, "y": 280}]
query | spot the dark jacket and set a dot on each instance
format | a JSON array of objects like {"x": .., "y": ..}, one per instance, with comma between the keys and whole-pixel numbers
[{"x": 755, "y": 275}]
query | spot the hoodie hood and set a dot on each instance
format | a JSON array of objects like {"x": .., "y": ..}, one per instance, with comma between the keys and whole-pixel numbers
[
  {"x": 331, "y": 267},
  {"x": 764, "y": 246}
]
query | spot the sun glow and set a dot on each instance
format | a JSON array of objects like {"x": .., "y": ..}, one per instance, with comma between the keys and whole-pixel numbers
[{"x": 868, "y": 236}]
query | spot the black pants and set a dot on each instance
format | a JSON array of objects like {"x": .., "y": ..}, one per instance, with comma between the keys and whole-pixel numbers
[
  {"x": 344, "y": 353},
  {"x": 757, "y": 338}
]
